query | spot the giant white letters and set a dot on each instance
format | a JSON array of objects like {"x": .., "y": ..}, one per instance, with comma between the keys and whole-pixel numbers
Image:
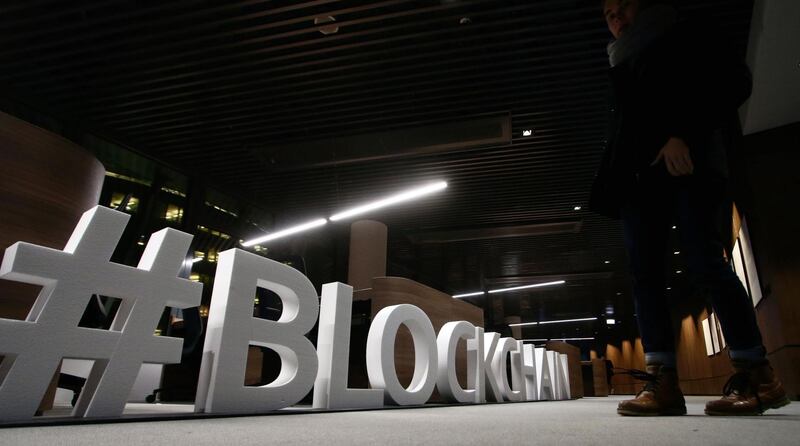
[
  {"x": 333, "y": 351},
  {"x": 232, "y": 328},
  {"x": 33, "y": 348}
]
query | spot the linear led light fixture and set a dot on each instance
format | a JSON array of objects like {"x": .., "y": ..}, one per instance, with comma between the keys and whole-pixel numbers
[
  {"x": 388, "y": 201},
  {"x": 523, "y": 324},
  {"x": 285, "y": 232},
  {"x": 573, "y": 339},
  {"x": 458, "y": 296},
  {"x": 535, "y": 340},
  {"x": 524, "y": 287},
  {"x": 568, "y": 320}
]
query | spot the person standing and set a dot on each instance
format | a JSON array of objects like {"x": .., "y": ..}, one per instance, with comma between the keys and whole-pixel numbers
[{"x": 675, "y": 89}]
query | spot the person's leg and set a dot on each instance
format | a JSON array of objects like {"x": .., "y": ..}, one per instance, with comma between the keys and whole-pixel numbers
[
  {"x": 704, "y": 213},
  {"x": 646, "y": 229},
  {"x": 646, "y": 225}
]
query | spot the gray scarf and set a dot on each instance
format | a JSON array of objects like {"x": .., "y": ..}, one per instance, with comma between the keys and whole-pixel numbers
[{"x": 649, "y": 25}]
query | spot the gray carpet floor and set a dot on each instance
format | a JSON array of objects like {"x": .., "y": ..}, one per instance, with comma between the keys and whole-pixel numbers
[{"x": 588, "y": 421}]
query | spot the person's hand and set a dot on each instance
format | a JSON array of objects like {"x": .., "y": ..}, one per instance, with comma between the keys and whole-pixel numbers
[{"x": 676, "y": 158}]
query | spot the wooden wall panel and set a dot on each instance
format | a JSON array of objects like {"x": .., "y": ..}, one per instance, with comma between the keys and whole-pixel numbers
[
  {"x": 770, "y": 185},
  {"x": 627, "y": 355},
  {"x": 700, "y": 374},
  {"x": 46, "y": 183}
]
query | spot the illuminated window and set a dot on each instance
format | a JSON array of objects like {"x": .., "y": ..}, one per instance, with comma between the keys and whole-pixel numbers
[
  {"x": 116, "y": 201},
  {"x": 212, "y": 256},
  {"x": 213, "y": 232},
  {"x": 174, "y": 213}
]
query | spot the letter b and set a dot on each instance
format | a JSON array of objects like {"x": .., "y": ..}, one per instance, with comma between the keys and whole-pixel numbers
[{"x": 232, "y": 328}]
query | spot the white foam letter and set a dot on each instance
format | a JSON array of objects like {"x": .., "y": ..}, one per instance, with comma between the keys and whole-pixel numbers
[
  {"x": 499, "y": 366},
  {"x": 476, "y": 365},
  {"x": 545, "y": 391},
  {"x": 518, "y": 372},
  {"x": 333, "y": 351},
  {"x": 490, "y": 346},
  {"x": 528, "y": 372},
  {"x": 232, "y": 328},
  {"x": 380, "y": 355},
  {"x": 563, "y": 376},
  {"x": 447, "y": 380}
]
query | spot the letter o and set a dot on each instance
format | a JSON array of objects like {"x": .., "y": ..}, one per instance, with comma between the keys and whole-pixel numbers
[{"x": 380, "y": 355}]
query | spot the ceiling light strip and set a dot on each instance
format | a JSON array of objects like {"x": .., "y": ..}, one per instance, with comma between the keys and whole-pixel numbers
[
  {"x": 568, "y": 320},
  {"x": 285, "y": 232},
  {"x": 524, "y": 287},
  {"x": 459, "y": 296},
  {"x": 394, "y": 199},
  {"x": 523, "y": 324}
]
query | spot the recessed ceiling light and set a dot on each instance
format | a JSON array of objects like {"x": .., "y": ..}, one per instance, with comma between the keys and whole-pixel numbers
[
  {"x": 676, "y": 252},
  {"x": 611, "y": 321},
  {"x": 329, "y": 29},
  {"x": 607, "y": 262},
  {"x": 674, "y": 227},
  {"x": 527, "y": 133},
  {"x": 578, "y": 208},
  {"x": 678, "y": 272},
  {"x": 669, "y": 288}
]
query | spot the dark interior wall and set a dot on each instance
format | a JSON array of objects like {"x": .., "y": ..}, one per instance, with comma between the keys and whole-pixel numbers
[{"x": 770, "y": 163}]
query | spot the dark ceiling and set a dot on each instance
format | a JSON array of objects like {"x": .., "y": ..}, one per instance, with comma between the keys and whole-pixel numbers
[{"x": 252, "y": 95}]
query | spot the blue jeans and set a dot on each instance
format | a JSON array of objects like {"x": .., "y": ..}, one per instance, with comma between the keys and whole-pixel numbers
[{"x": 699, "y": 207}]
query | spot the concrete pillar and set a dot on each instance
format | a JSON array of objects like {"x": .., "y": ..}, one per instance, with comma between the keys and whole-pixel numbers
[{"x": 368, "y": 241}]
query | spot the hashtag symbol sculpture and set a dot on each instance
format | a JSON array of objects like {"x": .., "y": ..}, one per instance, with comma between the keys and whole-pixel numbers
[{"x": 33, "y": 348}]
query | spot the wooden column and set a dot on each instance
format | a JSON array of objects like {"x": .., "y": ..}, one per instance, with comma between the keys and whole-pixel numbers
[{"x": 368, "y": 244}]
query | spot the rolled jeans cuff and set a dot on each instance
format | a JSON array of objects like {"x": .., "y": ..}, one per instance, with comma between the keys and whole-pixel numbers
[{"x": 755, "y": 354}]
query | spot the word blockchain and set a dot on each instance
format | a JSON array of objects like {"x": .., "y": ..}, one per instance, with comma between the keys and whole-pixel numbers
[{"x": 33, "y": 348}]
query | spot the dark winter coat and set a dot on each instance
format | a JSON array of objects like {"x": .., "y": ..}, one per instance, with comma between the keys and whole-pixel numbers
[{"x": 686, "y": 84}]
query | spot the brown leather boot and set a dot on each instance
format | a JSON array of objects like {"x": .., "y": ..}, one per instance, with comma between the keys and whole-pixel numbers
[
  {"x": 660, "y": 396},
  {"x": 750, "y": 391}
]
